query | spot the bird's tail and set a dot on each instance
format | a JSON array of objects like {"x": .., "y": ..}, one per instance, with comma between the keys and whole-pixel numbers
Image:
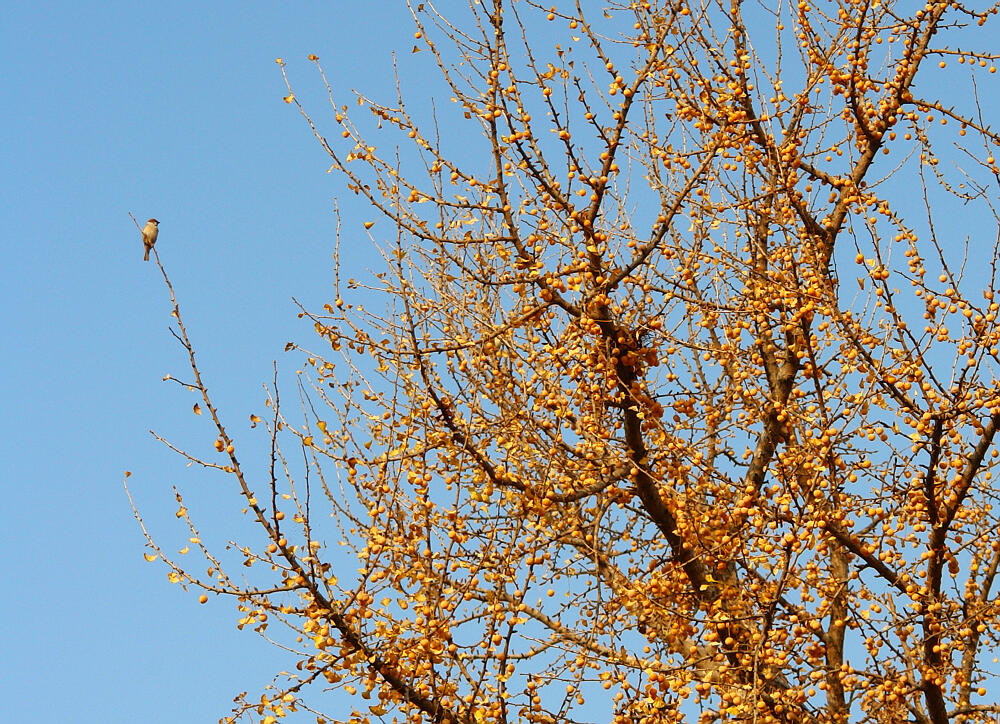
[{"x": 145, "y": 257}]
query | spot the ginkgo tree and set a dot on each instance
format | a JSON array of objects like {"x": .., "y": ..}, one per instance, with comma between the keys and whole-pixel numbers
[{"x": 675, "y": 396}]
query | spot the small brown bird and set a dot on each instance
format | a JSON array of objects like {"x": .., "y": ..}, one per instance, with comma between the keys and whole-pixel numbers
[{"x": 149, "y": 232}]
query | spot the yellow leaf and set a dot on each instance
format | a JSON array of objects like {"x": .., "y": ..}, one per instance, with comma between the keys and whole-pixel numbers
[
  {"x": 184, "y": 551},
  {"x": 150, "y": 557},
  {"x": 307, "y": 441},
  {"x": 289, "y": 98},
  {"x": 254, "y": 420},
  {"x": 416, "y": 49},
  {"x": 369, "y": 224},
  {"x": 196, "y": 409},
  {"x": 313, "y": 56}
]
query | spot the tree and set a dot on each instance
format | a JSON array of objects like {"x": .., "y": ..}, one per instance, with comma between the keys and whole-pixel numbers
[{"x": 628, "y": 443}]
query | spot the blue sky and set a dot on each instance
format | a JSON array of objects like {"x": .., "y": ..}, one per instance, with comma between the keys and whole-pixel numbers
[{"x": 172, "y": 110}]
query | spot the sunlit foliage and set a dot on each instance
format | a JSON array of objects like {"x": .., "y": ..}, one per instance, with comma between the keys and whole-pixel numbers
[{"x": 675, "y": 398}]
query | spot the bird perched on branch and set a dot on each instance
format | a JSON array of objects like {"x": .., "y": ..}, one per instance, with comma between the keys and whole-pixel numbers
[{"x": 149, "y": 232}]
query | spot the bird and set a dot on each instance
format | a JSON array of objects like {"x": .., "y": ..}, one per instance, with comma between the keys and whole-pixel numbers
[{"x": 149, "y": 232}]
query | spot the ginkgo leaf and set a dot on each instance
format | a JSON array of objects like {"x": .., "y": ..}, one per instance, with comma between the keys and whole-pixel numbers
[
  {"x": 196, "y": 409},
  {"x": 150, "y": 557},
  {"x": 369, "y": 224}
]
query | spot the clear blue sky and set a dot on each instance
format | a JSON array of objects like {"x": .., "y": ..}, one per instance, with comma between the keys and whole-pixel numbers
[{"x": 172, "y": 110}]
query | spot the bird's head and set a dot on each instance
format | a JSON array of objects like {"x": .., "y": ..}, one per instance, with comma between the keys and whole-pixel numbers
[{"x": 154, "y": 222}]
